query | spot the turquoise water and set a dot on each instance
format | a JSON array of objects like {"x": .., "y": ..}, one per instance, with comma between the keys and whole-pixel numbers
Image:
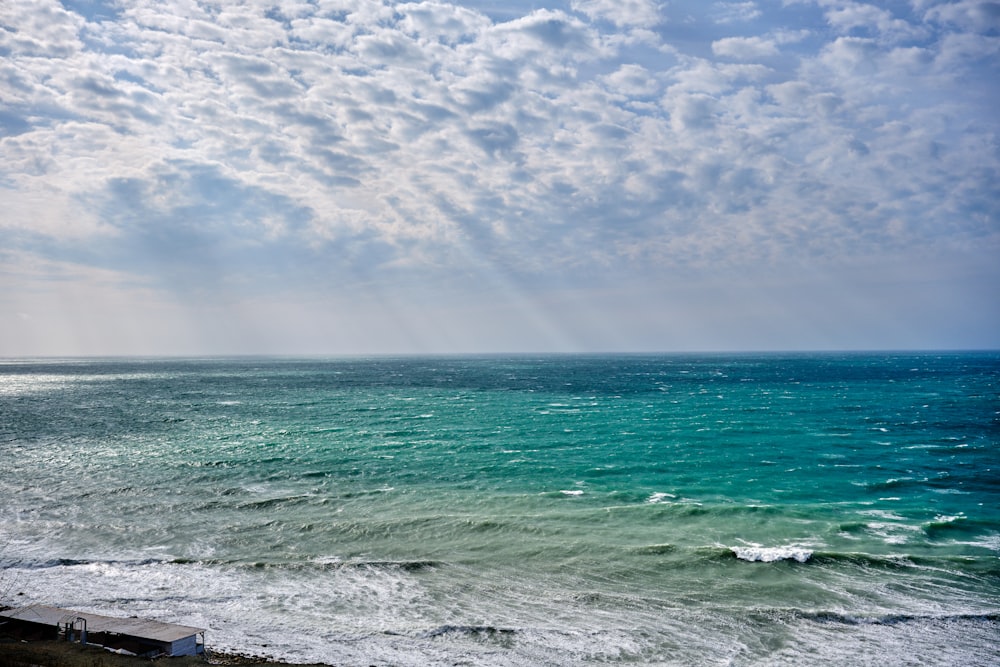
[{"x": 733, "y": 510}]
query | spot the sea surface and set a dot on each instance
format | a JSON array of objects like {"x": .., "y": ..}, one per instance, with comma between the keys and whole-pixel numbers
[{"x": 806, "y": 509}]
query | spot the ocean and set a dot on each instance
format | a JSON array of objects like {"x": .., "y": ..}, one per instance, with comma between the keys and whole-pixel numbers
[{"x": 750, "y": 509}]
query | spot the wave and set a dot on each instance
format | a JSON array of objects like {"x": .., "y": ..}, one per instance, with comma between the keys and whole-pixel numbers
[
  {"x": 942, "y": 483},
  {"x": 942, "y": 527},
  {"x": 891, "y": 484},
  {"x": 749, "y": 553},
  {"x": 80, "y": 562},
  {"x": 757, "y": 554},
  {"x": 959, "y": 525},
  {"x": 667, "y": 555},
  {"x": 853, "y": 527},
  {"x": 327, "y": 565},
  {"x": 802, "y": 554},
  {"x": 479, "y": 631},
  {"x": 267, "y": 503},
  {"x": 318, "y": 565},
  {"x": 655, "y": 549},
  {"x": 907, "y": 561},
  {"x": 795, "y": 554},
  {"x": 893, "y": 619},
  {"x": 656, "y": 507}
]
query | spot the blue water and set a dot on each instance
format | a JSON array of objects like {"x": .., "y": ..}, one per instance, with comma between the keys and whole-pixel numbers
[{"x": 563, "y": 510}]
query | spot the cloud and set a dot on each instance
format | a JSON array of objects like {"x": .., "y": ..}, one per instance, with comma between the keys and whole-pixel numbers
[
  {"x": 744, "y": 48},
  {"x": 870, "y": 20},
  {"x": 735, "y": 12},
  {"x": 976, "y": 16},
  {"x": 632, "y": 81},
  {"x": 441, "y": 22},
  {"x": 627, "y": 13},
  {"x": 46, "y": 30},
  {"x": 296, "y": 148}
]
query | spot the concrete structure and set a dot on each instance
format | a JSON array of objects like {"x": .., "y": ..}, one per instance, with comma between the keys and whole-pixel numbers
[{"x": 140, "y": 636}]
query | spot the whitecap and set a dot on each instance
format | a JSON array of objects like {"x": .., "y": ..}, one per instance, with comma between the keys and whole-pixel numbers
[
  {"x": 883, "y": 514},
  {"x": 759, "y": 554},
  {"x": 991, "y": 542},
  {"x": 575, "y": 492},
  {"x": 891, "y": 533}
]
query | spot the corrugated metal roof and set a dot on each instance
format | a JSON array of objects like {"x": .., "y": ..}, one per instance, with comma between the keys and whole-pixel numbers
[{"x": 133, "y": 627}]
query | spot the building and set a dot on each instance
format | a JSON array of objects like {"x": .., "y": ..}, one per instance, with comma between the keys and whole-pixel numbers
[{"x": 140, "y": 636}]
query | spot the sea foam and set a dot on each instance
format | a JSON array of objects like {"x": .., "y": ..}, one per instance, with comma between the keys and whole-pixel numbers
[{"x": 761, "y": 554}]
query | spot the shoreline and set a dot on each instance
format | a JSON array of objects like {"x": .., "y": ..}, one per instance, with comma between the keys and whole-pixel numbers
[{"x": 59, "y": 653}]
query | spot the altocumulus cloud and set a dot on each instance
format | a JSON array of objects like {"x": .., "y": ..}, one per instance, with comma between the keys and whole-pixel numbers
[{"x": 360, "y": 175}]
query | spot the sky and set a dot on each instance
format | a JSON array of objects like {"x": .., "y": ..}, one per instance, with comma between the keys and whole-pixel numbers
[{"x": 342, "y": 177}]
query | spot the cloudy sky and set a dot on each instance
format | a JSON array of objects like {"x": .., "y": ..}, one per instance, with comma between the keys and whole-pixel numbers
[{"x": 363, "y": 176}]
